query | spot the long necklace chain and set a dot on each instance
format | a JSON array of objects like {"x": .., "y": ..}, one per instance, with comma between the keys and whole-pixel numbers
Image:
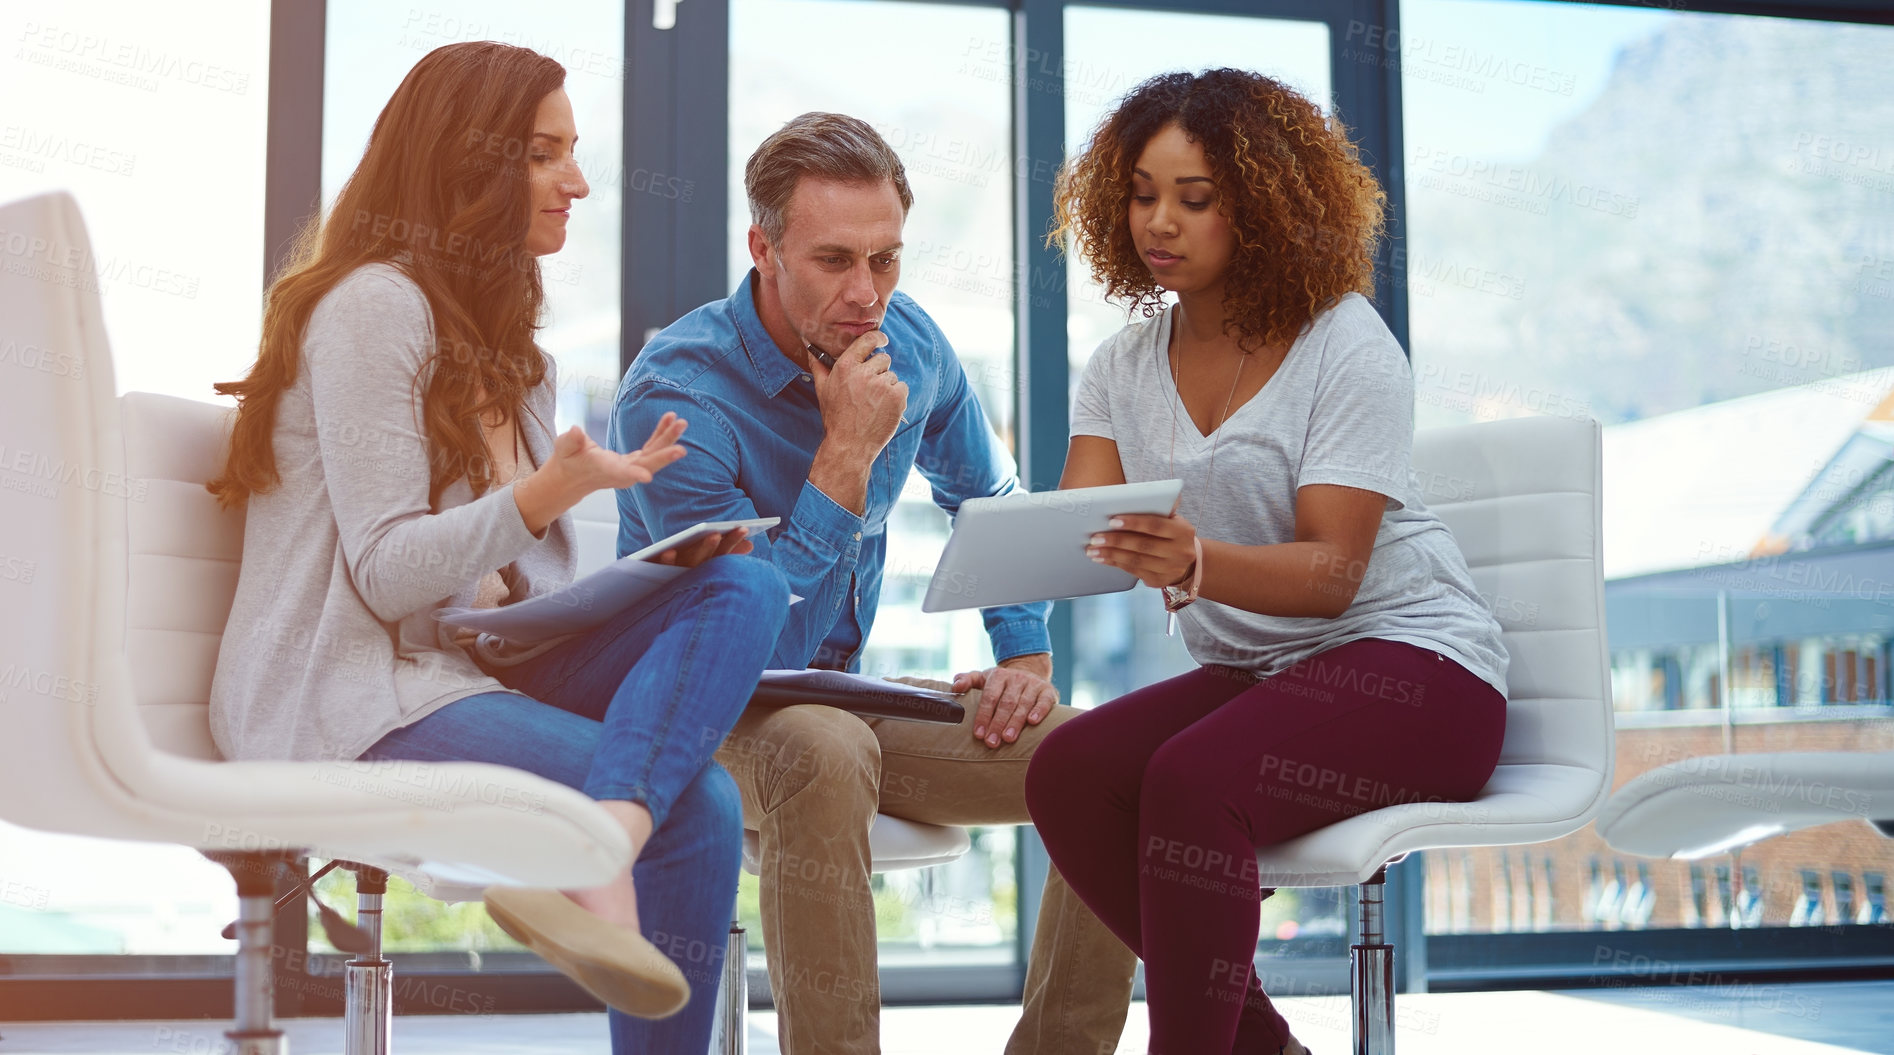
[{"x": 1216, "y": 427}]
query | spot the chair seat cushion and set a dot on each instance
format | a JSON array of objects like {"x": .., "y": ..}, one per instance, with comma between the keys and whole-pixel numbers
[
  {"x": 1520, "y": 804},
  {"x": 1713, "y": 803},
  {"x": 893, "y": 844},
  {"x": 466, "y": 823}
]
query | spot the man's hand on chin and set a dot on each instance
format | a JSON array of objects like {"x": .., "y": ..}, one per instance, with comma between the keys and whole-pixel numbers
[{"x": 1017, "y": 693}]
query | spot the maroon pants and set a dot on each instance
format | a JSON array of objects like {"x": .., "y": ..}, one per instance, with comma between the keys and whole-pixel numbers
[{"x": 1152, "y": 805}]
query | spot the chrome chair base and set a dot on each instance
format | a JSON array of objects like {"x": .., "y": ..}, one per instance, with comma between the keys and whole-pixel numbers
[
  {"x": 727, "y": 1033},
  {"x": 253, "y": 1033},
  {"x": 1371, "y": 975},
  {"x": 368, "y": 979}
]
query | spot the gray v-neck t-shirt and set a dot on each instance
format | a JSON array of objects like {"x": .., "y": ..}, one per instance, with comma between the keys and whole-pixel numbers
[{"x": 1339, "y": 410}]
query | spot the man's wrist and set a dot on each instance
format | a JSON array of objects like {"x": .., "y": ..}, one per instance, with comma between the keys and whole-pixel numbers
[
  {"x": 1035, "y": 663},
  {"x": 842, "y": 474},
  {"x": 844, "y": 456}
]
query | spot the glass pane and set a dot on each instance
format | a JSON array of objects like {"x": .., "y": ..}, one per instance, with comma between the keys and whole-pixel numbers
[
  {"x": 948, "y": 113},
  {"x": 122, "y": 95},
  {"x": 1109, "y": 51},
  {"x": 372, "y": 46},
  {"x": 1711, "y": 280}
]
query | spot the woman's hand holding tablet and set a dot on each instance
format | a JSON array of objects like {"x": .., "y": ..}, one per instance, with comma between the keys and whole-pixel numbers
[{"x": 1031, "y": 545}]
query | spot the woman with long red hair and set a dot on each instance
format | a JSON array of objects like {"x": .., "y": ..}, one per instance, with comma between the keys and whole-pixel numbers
[{"x": 394, "y": 448}]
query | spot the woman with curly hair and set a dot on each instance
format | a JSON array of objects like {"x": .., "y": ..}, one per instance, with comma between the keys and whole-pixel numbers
[
  {"x": 394, "y": 452},
  {"x": 1346, "y": 660}
]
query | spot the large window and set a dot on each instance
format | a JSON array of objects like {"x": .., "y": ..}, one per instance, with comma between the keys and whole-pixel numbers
[
  {"x": 946, "y": 109},
  {"x": 155, "y": 125},
  {"x": 1681, "y": 224},
  {"x": 1708, "y": 278}
]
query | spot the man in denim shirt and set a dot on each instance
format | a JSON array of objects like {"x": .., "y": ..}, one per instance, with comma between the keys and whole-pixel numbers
[{"x": 810, "y": 393}]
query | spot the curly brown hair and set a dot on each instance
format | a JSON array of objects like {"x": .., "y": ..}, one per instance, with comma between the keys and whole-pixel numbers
[{"x": 1307, "y": 214}]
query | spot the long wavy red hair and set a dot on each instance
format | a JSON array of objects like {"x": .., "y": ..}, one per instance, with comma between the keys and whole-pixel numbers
[{"x": 443, "y": 193}]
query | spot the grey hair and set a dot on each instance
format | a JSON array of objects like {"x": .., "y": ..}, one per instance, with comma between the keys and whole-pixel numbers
[{"x": 823, "y": 145}]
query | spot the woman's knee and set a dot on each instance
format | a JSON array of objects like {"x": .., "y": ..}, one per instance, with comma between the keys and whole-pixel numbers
[
  {"x": 1178, "y": 778},
  {"x": 1057, "y": 774},
  {"x": 752, "y": 582},
  {"x": 708, "y": 816},
  {"x": 721, "y": 804}
]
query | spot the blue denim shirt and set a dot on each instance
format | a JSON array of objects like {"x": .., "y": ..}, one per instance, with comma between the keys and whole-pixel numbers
[{"x": 754, "y": 428}]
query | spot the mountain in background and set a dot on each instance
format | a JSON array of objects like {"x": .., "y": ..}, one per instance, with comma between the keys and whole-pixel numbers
[{"x": 1719, "y": 222}]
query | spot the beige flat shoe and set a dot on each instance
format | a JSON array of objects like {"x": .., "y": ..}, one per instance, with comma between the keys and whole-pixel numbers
[{"x": 613, "y": 963}]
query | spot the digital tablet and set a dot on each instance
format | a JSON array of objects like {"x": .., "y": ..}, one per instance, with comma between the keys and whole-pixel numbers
[
  {"x": 1030, "y": 545},
  {"x": 692, "y": 534}
]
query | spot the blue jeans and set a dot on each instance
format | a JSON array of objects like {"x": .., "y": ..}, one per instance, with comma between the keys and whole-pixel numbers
[{"x": 633, "y": 711}]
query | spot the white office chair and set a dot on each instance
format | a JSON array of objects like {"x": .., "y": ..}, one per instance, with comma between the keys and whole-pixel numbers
[
  {"x": 1522, "y": 499},
  {"x": 1717, "y": 803},
  {"x": 109, "y": 649},
  {"x": 894, "y": 844}
]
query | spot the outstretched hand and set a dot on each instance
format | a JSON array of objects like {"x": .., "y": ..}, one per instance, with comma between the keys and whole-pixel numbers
[{"x": 588, "y": 467}]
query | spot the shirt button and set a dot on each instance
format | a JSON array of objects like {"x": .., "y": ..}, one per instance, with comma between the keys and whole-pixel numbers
[
  {"x": 858, "y": 536},
  {"x": 808, "y": 377}
]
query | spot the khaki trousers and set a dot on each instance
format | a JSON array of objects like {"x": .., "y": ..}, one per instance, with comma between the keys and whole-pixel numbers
[{"x": 812, "y": 780}]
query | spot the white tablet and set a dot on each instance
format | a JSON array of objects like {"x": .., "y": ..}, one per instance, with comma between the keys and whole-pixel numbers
[
  {"x": 692, "y": 534},
  {"x": 1030, "y": 545}
]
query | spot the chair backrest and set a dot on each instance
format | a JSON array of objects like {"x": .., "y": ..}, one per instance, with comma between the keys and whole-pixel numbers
[
  {"x": 185, "y": 552},
  {"x": 182, "y": 558},
  {"x": 595, "y": 523},
  {"x": 64, "y": 496},
  {"x": 1523, "y": 499}
]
